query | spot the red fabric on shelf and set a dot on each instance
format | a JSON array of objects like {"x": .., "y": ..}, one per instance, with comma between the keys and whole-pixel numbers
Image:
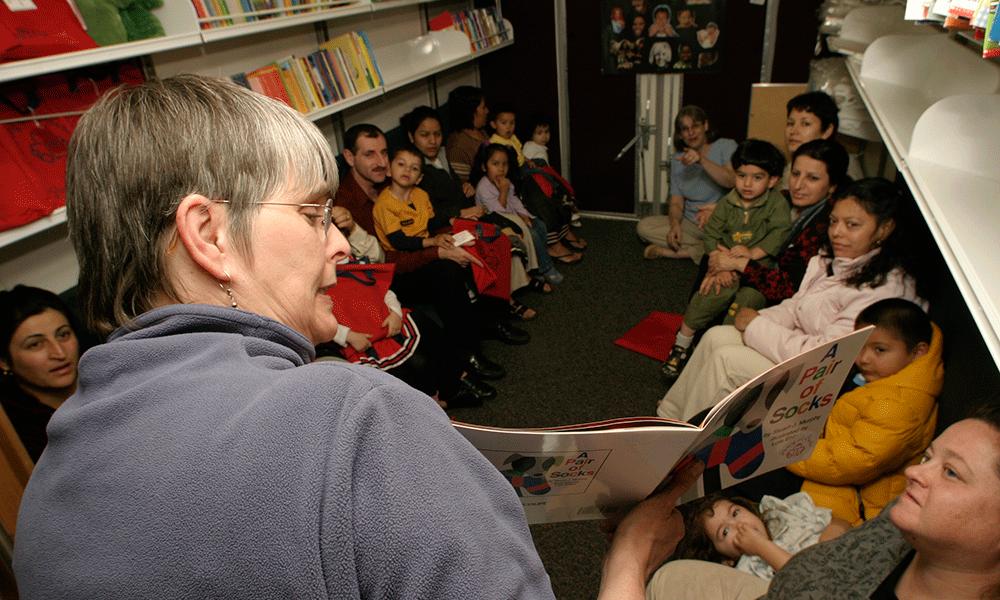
[
  {"x": 51, "y": 28},
  {"x": 653, "y": 336}
]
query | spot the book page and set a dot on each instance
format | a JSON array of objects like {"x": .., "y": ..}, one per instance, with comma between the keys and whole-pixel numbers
[{"x": 581, "y": 475}]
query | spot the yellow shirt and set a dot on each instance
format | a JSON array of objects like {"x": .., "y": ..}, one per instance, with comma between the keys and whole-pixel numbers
[
  {"x": 392, "y": 214},
  {"x": 513, "y": 142}
]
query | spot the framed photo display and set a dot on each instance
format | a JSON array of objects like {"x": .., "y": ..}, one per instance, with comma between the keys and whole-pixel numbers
[{"x": 661, "y": 36}]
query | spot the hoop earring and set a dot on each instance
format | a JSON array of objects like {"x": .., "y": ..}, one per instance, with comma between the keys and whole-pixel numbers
[{"x": 228, "y": 290}]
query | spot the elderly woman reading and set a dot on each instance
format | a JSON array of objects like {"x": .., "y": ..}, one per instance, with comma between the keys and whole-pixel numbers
[{"x": 204, "y": 454}]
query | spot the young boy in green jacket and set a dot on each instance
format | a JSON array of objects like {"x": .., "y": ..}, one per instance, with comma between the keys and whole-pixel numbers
[{"x": 751, "y": 221}]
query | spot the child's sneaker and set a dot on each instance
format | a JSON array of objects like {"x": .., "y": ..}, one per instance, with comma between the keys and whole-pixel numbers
[
  {"x": 575, "y": 220},
  {"x": 674, "y": 364}
]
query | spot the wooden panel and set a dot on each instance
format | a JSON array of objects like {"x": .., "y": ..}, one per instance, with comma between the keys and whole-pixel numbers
[
  {"x": 15, "y": 469},
  {"x": 767, "y": 110}
]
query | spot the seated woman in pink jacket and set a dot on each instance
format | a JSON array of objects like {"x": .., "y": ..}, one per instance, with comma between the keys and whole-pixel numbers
[{"x": 863, "y": 262}]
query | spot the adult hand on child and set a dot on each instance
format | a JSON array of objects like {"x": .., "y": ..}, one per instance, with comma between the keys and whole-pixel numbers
[
  {"x": 739, "y": 251},
  {"x": 393, "y": 324},
  {"x": 704, "y": 214},
  {"x": 744, "y": 317},
  {"x": 359, "y": 341},
  {"x": 441, "y": 240}
]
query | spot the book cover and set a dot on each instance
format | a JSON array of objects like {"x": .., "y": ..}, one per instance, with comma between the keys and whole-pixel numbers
[
  {"x": 269, "y": 79},
  {"x": 372, "y": 59},
  {"x": 292, "y": 85},
  {"x": 441, "y": 22},
  {"x": 362, "y": 51},
  {"x": 581, "y": 472},
  {"x": 318, "y": 81},
  {"x": 318, "y": 59},
  {"x": 343, "y": 71},
  {"x": 241, "y": 79},
  {"x": 338, "y": 78},
  {"x": 301, "y": 70},
  {"x": 345, "y": 43}
]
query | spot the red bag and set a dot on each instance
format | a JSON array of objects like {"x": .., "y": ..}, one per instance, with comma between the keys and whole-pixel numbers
[
  {"x": 51, "y": 28},
  {"x": 33, "y": 153},
  {"x": 359, "y": 303},
  {"x": 492, "y": 248}
]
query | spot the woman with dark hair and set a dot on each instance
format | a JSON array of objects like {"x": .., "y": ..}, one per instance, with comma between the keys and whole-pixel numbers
[
  {"x": 818, "y": 168},
  {"x": 700, "y": 173},
  {"x": 864, "y": 259},
  {"x": 38, "y": 356},
  {"x": 468, "y": 112},
  {"x": 938, "y": 540}
]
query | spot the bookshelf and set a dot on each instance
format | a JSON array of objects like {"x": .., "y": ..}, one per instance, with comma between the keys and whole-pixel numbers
[
  {"x": 935, "y": 104},
  {"x": 39, "y": 253}
]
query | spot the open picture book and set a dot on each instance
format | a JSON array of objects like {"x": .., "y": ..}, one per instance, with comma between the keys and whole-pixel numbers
[{"x": 581, "y": 472}]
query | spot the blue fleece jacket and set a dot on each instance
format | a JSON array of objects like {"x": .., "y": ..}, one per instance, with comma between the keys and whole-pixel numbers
[{"x": 202, "y": 456}]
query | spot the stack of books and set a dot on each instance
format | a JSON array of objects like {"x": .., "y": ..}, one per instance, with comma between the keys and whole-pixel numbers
[
  {"x": 483, "y": 26},
  {"x": 343, "y": 67},
  {"x": 211, "y": 12}
]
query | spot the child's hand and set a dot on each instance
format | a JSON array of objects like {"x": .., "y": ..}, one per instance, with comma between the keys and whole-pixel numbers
[
  {"x": 503, "y": 184},
  {"x": 359, "y": 341},
  {"x": 468, "y": 190},
  {"x": 342, "y": 219},
  {"x": 393, "y": 324},
  {"x": 739, "y": 251},
  {"x": 459, "y": 255},
  {"x": 750, "y": 540}
]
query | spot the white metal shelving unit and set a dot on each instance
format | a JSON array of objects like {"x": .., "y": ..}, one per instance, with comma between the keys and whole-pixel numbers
[
  {"x": 937, "y": 109},
  {"x": 225, "y": 50}
]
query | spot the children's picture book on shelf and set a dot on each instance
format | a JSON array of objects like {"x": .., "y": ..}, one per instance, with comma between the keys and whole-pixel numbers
[
  {"x": 213, "y": 13},
  {"x": 587, "y": 471},
  {"x": 483, "y": 26}
]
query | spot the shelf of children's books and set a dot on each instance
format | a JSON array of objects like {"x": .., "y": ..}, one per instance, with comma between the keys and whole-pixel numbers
[
  {"x": 934, "y": 104},
  {"x": 95, "y": 56},
  {"x": 241, "y": 29},
  {"x": 17, "y": 234},
  {"x": 344, "y": 104}
]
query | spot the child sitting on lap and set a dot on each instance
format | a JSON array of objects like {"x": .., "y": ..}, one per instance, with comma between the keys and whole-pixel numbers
[
  {"x": 757, "y": 539},
  {"x": 751, "y": 221},
  {"x": 403, "y": 213},
  {"x": 551, "y": 182}
]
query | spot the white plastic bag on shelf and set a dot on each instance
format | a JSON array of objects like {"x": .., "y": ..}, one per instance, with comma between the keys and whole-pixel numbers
[
  {"x": 830, "y": 75},
  {"x": 832, "y": 12}
]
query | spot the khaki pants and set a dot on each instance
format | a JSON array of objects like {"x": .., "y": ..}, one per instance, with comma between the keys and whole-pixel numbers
[
  {"x": 720, "y": 364},
  {"x": 702, "y": 580},
  {"x": 654, "y": 230}
]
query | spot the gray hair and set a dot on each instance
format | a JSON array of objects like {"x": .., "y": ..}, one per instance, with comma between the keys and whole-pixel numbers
[{"x": 140, "y": 150}]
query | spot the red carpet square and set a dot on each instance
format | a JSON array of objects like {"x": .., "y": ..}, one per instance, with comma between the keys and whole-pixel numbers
[{"x": 653, "y": 336}]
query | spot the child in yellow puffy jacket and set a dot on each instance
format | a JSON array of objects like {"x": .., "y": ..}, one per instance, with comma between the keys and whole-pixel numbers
[{"x": 880, "y": 428}]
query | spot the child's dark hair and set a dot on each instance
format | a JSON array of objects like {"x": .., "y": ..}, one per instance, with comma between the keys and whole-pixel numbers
[
  {"x": 697, "y": 114},
  {"x": 483, "y": 156},
  {"x": 904, "y": 319},
  {"x": 819, "y": 104},
  {"x": 405, "y": 148},
  {"x": 500, "y": 108},
  {"x": 411, "y": 121},
  {"x": 462, "y": 104},
  {"x": 697, "y": 543},
  {"x": 533, "y": 122},
  {"x": 881, "y": 199},
  {"x": 831, "y": 154},
  {"x": 759, "y": 154}
]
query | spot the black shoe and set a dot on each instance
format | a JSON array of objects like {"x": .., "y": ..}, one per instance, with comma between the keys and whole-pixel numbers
[
  {"x": 484, "y": 368},
  {"x": 675, "y": 362},
  {"x": 464, "y": 397},
  {"x": 480, "y": 388},
  {"x": 508, "y": 334}
]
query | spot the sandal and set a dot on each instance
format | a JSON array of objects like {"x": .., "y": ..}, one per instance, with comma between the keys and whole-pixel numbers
[
  {"x": 522, "y": 311},
  {"x": 568, "y": 259},
  {"x": 540, "y": 285},
  {"x": 675, "y": 362},
  {"x": 578, "y": 244}
]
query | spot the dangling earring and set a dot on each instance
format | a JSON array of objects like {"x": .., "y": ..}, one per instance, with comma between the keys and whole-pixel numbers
[
  {"x": 228, "y": 290},
  {"x": 878, "y": 243}
]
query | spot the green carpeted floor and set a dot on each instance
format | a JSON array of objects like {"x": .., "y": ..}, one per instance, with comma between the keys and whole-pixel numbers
[{"x": 572, "y": 372}]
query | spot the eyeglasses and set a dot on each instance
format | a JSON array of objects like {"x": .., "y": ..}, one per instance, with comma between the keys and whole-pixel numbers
[{"x": 326, "y": 206}]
